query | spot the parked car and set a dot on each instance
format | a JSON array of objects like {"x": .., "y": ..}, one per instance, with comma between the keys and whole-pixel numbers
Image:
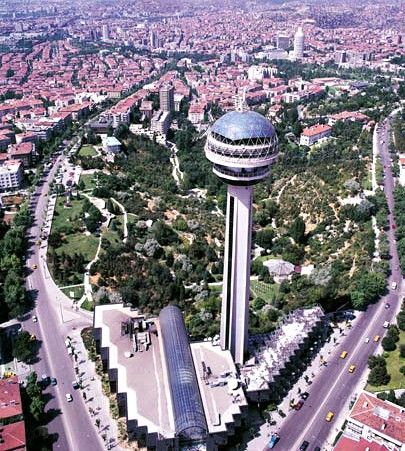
[
  {"x": 304, "y": 395},
  {"x": 304, "y": 445},
  {"x": 299, "y": 405},
  {"x": 53, "y": 381},
  {"x": 68, "y": 397},
  {"x": 34, "y": 319},
  {"x": 376, "y": 338}
]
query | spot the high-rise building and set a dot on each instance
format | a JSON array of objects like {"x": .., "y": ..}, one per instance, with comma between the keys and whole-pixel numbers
[
  {"x": 242, "y": 145},
  {"x": 283, "y": 42},
  {"x": 299, "y": 44},
  {"x": 166, "y": 98},
  {"x": 105, "y": 33},
  {"x": 153, "y": 39}
]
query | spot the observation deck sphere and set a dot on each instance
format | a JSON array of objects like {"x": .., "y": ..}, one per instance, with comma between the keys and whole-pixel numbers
[
  {"x": 238, "y": 125},
  {"x": 242, "y": 145}
]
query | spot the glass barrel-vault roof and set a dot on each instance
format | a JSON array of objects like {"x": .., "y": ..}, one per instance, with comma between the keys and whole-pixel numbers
[
  {"x": 188, "y": 412},
  {"x": 237, "y": 125}
]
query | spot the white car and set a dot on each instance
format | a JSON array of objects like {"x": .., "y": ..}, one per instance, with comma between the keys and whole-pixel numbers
[
  {"x": 366, "y": 340},
  {"x": 69, "y": 397},
  {"x": 34, "y": 319}
]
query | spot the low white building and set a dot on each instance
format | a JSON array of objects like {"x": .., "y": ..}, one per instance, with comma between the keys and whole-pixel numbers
[
  {"x": 314, "y": 134},
  {"x": 11, "y": 175},
  {"x": 402, "y": 169},
  {"x": 112, "y": 145},
  {"x": 279, "y": 269},
  {"x": 373, "y": 421},
  {"x": 196, "y": 113}
]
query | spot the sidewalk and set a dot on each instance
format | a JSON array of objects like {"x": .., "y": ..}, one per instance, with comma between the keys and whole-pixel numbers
[
  {"x": 97, "y": 403},
  {"x": 327, "y": 352}
]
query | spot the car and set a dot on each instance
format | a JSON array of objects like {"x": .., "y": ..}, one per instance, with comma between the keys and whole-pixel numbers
[
  {"x": 34, "y": 319},
  {"x": 329, "y": 416},
  {"x": 34, "y": 266},
  {"x": 274, "y": 438},
  {"x": 68, "y": 397},
  {"x": 343, "y": 355},
  {"x": 393, "y": 226},
  {"x": 317, "y": 448},
  {"x": 387, "y": 305},
  {"x": 304, "y": 445},
  {"x": 376, "y": 338},
  {"x": 53, "y": 381},
  {"x": 352, "y": 368},
  {"x": 366, "y": 340},
  {"x": 299, "y": 405},
  {"x": 44, "y": 380},
  {"x": 304, "y": 395},
  {"x": 75, "y": 385}
]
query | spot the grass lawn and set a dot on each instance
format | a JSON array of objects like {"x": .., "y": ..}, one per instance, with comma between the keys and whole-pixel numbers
[
  {"x": 78, "y": 243},
  {"x": 64, "y": 217},
  {"x": 132, "y": 219},
  {"x": 394, "y": 363},
  {"x": 89, "y": 180},
  {"x": 263, "y": 290},
  {"x": 87, "y": 151},
  {"x": 111, "y": 236},
  {"x": 87, "y": 305},
  {"x": 78, "y": 292}
]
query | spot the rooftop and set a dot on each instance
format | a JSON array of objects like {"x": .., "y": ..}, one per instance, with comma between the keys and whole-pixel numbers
[
  {"x": 13, "y": 436},
  {"x": 237, "y": 125},
  {"x": 10, "y": 398},
  {"x": 382, "y": 416}
]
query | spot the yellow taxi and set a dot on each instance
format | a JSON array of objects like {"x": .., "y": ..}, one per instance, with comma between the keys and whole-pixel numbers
[
  {"x": 352, "y": 368},
  {"x": 376, "y": 338},
  {"x": 329, "y": 416},
  {"x": 343, "y": 355},
  {"x": 34, "y": 266}
]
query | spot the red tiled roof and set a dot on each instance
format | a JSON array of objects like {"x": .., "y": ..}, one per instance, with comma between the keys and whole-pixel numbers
[
  {"x": 348, "y": 444},
  {"x": 383, "y": 416},
  {"x": 316, "y": 130},
  {"x": 10, "y": 399},
  {"x": 13, "y": 436}
]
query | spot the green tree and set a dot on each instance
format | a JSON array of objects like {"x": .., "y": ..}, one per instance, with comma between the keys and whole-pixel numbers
[
  {"x": 264, "y": 238},
  {"x": 379, "y": 376},
  {"x": 376, "y": 360},
  {"x": 14, "y": 293},
  {"x": 388, "y": 344},
  {"x": 297, "y": 230},
  {"x": 37, "y": 406},
  {"x": 24, "y": 347}
]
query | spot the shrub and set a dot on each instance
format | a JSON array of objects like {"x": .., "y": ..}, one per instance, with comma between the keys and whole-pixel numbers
[
  {"x": 376, "y": 360},
  {"x": 379, "y": 376},
  {"x": 388, "y": 344}
]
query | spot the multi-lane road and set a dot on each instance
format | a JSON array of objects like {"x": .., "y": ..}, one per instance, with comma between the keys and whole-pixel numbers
[
  {"x": 73, "y": 425},
  {"x": 333, "y": 387}
]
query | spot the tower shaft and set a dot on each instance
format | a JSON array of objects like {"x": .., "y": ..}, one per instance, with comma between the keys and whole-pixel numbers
[{"x": 236, "y": 280}]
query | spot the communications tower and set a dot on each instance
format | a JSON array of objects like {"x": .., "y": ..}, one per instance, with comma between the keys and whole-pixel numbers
[{"x": 242, "y": 145}]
